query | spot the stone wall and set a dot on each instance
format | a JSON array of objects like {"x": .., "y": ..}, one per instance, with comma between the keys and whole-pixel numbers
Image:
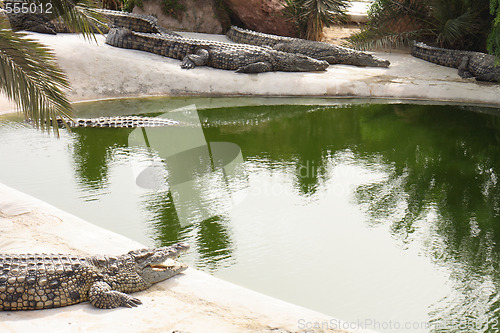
[
  {"x": 211, "y": 16},
  {"x": 199, "y": 16},
  {"x": 262, "y": 15}
]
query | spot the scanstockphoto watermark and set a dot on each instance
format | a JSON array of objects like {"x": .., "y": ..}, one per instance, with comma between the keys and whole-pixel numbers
[
  {"x": 455, "y": 325},
  {"x": 364, "y": 324},
  {"x": 179, "y": 159}
]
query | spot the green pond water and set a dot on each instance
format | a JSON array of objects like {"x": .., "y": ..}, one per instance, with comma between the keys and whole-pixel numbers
[{"x": 383, "y": 215}]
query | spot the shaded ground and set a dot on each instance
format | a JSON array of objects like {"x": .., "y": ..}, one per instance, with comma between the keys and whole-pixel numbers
[{"x": 338, "y": 34}]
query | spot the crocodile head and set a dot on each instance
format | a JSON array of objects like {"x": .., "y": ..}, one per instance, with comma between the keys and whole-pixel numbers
[
  {"x": 367, "y": 59},
  {"x": 155, "y": 265},
  {"x": 291, "y": 62}
]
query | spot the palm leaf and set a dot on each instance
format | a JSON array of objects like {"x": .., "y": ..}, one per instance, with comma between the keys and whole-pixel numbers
[
  {"x": 79, "y": 16},
  {"x": 380, "y": 39},
  {"x": 29, "y": 74},
  {"x": 31, "y": 78},
  {"x": 320, "y": 13}
]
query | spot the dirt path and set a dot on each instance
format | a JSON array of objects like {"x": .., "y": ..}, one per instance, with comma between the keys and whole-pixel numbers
[{"x": 338, "y": 34}]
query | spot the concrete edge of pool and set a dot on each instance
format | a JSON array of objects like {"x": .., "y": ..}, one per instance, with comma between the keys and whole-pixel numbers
[{"x": 191, "y": 302}]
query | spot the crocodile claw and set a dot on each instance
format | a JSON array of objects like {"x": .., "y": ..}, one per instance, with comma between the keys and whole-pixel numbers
[
  {"x": 132, "y": 302},
  {"x": 187, "y": 63}
]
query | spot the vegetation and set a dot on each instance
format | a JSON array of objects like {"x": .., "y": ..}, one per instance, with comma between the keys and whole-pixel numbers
[
  {"x": 128, "y": 5},
  {"x": 311, "y": 16},
  {"x": 29, "y": 74},
  {"x": 172, "y": 8},
  {"x": 461, "y": 24},
  {"x": 494, "y": 37}
]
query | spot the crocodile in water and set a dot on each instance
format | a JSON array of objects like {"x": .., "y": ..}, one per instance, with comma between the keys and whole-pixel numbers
[
  {"x": 43, "y": 281},
  {"x": 119, "y": 121},
  {"x": 481, "y": 66},
  {"x": 197, "y": 52},
  {"x": 322, "y": 51}
]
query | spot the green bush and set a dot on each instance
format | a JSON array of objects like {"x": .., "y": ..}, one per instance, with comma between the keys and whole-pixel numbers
[
  {"x": 461, "y": 24},
  {"x": 494, "y": 37}
]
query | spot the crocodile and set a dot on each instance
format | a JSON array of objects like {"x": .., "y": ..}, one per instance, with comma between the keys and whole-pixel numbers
[
  {"x": 46, "y": 22},
  {"x": 43, "y": 281},
  {"x": 229, "y": 56},
  {"x": 135, "y": 22},
  {"x": 470, "y": 64},
  {"x": 319, "y": 50},
  {"x": 119, "y": 121}
]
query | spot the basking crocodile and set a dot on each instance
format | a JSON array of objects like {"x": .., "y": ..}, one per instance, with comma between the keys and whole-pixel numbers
[
  {"x": 37, "y": 20},
  {"x": 134, "y": 22},
  {"x": 318, "y": 50},
  {"x": 42, "y": 281},
  {"x": 197, "y": 52},
  {"x": 119, "y": 121},
  {"x": 481, "y": 66}
]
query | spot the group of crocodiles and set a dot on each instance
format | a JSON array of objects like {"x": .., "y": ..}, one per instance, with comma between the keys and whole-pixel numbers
[
  {"x": 43, "y": 281},
  {"x": 255, "y": 52},
  {"x": 252, "y": 52}
]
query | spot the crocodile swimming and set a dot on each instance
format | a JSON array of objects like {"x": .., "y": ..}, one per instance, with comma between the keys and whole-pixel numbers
[
  {"x": 43, "y": 281},
  {"x": 481, "y": 66},
  {"x": 197, "y": 52},
  {"x": 322, "y": 51},
  {"x": 118, "y": 121}
]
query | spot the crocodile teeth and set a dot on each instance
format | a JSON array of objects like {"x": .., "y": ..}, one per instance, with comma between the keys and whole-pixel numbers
[{"x": 169, "y": 263}]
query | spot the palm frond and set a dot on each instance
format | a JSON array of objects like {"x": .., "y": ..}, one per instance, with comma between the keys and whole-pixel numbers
[
  {"x": 30, "y": 77},
  {"x": 456, "y": 24},
  {"x": 79, "y": 16},
  {"x": 456, "y": 28},
  {"x": 370, "y": 40},
  {"x": 320, "y": 13}
]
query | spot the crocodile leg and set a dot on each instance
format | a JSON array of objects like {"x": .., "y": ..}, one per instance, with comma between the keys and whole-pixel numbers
[
  {"x": 463, "y": 68},
  {"x": 198, "y": 59},
  {"x": 489, "y": 77},
  {"x": 102, "y": 296},
  {"x": 256, "y": 67}
]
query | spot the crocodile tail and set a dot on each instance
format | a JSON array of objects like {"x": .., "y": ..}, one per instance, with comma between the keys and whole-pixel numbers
[{"x": 440, "y": 56}]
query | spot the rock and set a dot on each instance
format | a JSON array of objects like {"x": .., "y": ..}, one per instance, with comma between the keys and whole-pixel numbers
[
  {"x": 262, "y": 15},
  {"x": 36, "y": 21},
  {"x": 199, "y": 16}
]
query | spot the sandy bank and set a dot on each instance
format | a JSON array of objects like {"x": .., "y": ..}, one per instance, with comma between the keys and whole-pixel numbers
[{"x": 100, "y": 71}]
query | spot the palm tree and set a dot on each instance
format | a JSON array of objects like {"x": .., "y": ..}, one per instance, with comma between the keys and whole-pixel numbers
[
  {"x": 321, "y": 13},
  {"x": 29, "y": 74},
  {"x": 311, "y": 16}
]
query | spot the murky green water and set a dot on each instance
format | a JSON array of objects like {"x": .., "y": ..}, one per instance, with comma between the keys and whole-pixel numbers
[{"x": 386, "y": 216}]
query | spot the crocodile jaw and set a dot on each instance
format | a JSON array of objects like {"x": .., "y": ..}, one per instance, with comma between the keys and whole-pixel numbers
[{"x": 160, "y": 272}]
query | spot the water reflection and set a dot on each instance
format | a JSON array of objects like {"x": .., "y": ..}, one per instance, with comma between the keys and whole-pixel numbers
[
  {"x": 435, "y": 191},
  {"x": 211, "y": 237},
  {"x": 450, "y": 170},
  {"x": 93, "y": 149}
]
